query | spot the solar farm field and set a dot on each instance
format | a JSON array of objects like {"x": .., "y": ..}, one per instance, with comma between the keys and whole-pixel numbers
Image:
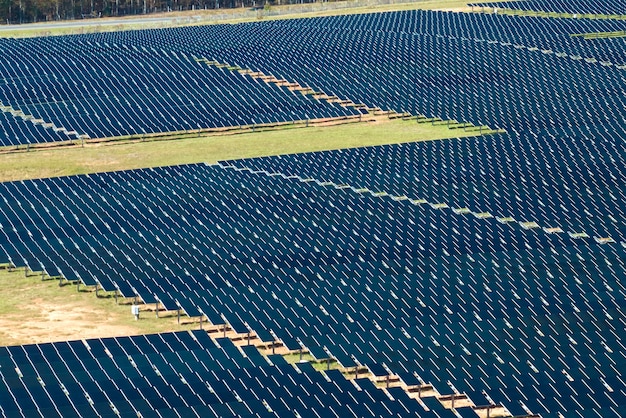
[
  {"x": 410, "y": 213},
  {"x": 604, "y": 8}
]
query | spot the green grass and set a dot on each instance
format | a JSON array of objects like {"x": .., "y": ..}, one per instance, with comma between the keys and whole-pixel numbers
[
  {"x": 457, "y": 5},
  {"x": 207, "y": 17},
  {"x": 32, "y": 310},
  {"x": 320, "y": 366},
  {"x": 600, "y": 35},
  {"x": 531, "y": 13},
  {"x": 28, "y": 32},
  {"x": 60, "y": 161}
]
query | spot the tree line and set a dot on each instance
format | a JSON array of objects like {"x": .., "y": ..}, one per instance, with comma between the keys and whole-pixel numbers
[{"x": 29, "y": 11}]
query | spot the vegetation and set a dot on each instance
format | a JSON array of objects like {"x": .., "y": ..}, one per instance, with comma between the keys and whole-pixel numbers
[
  {"x": 33, "y": 311},
  {"x": 562, "y": 15},
  {"x": 601, "y": 35},
  {"x": 30, "y": 11},
  {"x": 181, "y": 13},
  {"x": 317, "y": 365},
  {"x": 61, "y": 161}
]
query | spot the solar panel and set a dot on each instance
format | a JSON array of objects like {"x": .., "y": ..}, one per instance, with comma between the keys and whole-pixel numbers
[
  {"x": 167, "y": 303},
  {"x": 189, "y": 309},
  {"x": 123, "y": 289},
  {"x": 238, "y": 326},
  {"x": 493, "y": 262},
  {"x": 377, "y": 370}
]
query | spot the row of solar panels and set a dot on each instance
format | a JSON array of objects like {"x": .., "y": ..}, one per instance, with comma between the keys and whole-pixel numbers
[
  {"x": 494, "y": 64},
  {"x": 570, "y": 181},
  {"x": 148, "y": 81},
  {"x": 132, "y": 93},
  {"x": 347, "y": 274},
  {"x": 184, "y": 374},
  {"x": 603, "y": 7}
]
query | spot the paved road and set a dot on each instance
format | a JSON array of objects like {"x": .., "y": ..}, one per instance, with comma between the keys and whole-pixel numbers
[{"x": 93, "y": 22}]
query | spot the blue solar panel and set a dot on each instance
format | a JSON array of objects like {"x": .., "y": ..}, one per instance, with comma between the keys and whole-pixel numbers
[
  {"x": 493, "y": 263},
  {"x": 304, "y": 51},
  {"x": 578, "y": 7}
]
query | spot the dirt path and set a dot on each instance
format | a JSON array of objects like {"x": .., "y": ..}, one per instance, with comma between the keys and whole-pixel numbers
[
  {"x": 32, "y": 311},
  {"x": 60, "y": 323}
]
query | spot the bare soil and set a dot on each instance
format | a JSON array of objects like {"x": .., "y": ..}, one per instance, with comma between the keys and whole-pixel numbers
[{"x": 60, "y": 323}]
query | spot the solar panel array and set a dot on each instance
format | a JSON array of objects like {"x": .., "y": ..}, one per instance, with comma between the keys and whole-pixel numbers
[
  {"x": 142, "y": 82},
  {"x": 62, "y": 89},
  {"x": 180, "y": 374},
  {"x": 605, "y": 7},
  {"x": 489, "y": 288},
  {"x": 237, "y": 43},
  {"x": 569, "y": 181},
  {"x": 360, "y": 277},
  {"x": 491, "y": 265},
  {"x": 429, "y": 70}
]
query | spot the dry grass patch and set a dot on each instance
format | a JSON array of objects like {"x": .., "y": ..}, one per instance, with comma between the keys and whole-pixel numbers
[
  {"x": 36, "y": 311},
  {"x": 97, "y": 157}
]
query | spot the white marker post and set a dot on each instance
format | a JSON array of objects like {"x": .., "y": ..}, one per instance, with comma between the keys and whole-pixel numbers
[{"x": 135, "y": 311}]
